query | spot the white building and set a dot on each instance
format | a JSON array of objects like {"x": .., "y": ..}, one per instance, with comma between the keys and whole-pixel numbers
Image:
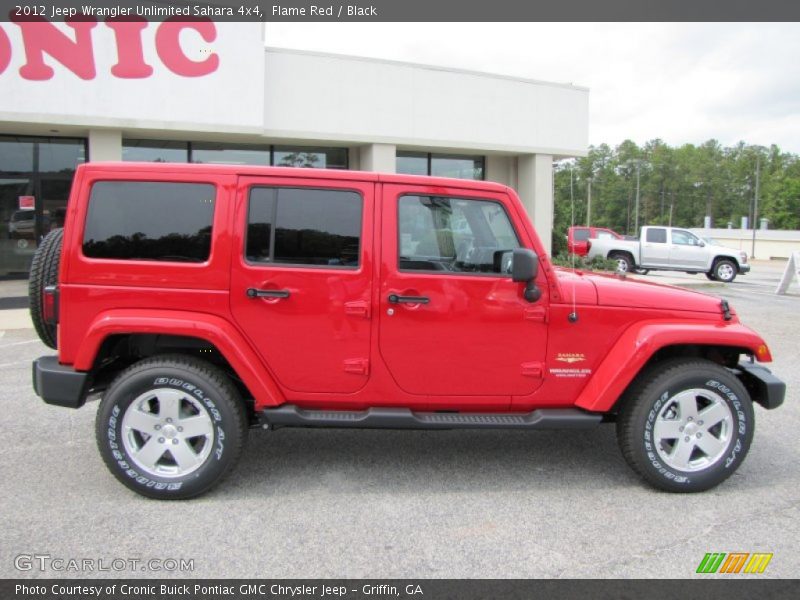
[{"x": 211, "y": 92}]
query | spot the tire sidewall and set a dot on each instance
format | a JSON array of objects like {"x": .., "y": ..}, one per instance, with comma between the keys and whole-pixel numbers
[
  {"x": 110, "y": 434},
  {"x": 731, "y": 391},
  {"x": 629, "y": 266},
  {"x": 716, "y": 271}
]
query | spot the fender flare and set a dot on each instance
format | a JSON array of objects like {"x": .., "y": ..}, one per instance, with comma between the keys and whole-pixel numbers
[
  {"x": 642, "y": 340},
  {"x": 211, "y": 328}
]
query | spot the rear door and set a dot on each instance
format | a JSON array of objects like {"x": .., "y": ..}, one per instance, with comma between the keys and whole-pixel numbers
[
  {"x": 302, "y": 277},
  {"x": 452, "y": 323},
  {"x": 655, "y": 249}
]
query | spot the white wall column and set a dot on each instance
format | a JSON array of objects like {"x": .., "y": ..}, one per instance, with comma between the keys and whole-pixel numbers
[
  {"x": 535, "y": 189},
  {"x": 499, "y": 168},
  {"x": 378, "y": 157},
  {"x": 105, "y": 144}
]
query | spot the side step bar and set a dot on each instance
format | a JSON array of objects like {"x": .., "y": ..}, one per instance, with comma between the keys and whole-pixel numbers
[{"x": 289, "y": 415}]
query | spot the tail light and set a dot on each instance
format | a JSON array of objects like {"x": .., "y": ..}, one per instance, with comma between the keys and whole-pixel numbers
[
  {"x": 50, "y": 305},
  {"x": 588, "y": 245}
]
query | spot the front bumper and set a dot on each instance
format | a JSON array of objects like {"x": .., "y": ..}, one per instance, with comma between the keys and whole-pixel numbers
[
  {"x": 764, "y": 387},
  {"x": 744, "y": 268},
  {"x": 59, "y": 384}
]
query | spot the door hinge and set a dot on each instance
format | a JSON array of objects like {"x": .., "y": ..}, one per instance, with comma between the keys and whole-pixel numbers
[
  {"x": 533, "y": 369},
  {"x": 536, "y": 313},
  {"x": 356, "y": 366},
  {"x": 357, "y": 308}
]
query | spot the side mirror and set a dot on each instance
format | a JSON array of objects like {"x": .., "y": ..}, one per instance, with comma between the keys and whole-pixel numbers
[
  {"x": 702, "y": 244},
  {"x": 524, "y": 268}
]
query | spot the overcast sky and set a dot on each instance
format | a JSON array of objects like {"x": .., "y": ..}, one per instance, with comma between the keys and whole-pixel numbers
[{"x": 680, "y": 82}]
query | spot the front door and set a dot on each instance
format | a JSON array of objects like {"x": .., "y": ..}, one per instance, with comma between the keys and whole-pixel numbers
[
  {"x": 302, "y": 277},
  {"x": 686, "y": 251},
  {"x": 451, "y": 320}
]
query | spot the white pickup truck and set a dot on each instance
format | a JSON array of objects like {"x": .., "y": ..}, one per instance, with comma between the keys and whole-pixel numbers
[{"x": 672, "y": 249}]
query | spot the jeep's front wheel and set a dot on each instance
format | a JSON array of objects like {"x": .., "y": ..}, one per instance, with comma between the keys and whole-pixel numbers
[
  {"x": 686, "y": 426},
  {"x": 171, "y": 427}
]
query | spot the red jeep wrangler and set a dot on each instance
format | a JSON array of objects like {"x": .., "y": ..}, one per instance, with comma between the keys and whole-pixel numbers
[{"x": 201, "y": 301}]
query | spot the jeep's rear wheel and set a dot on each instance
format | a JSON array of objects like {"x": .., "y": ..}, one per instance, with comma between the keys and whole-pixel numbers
[
  {"x": 44, "y": 272},
  {"x": 686, "y": 426},
  {"x": 171, "y": 427}
]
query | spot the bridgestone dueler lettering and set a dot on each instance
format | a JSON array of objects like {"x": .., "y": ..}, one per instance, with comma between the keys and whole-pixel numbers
[{"x": 212, "y": 392}]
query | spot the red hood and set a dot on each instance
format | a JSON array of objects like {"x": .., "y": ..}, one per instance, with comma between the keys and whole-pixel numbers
[{"x": 613, "y": 290}]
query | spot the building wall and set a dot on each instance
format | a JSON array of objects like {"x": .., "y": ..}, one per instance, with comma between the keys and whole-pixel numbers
[{"x": 774, "y": 243}]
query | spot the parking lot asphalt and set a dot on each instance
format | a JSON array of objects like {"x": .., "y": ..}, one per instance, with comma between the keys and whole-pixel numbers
[{"x": 338, "y": 503}]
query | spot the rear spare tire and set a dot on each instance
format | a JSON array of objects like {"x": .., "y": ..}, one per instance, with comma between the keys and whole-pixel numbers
[{"x": 44, "y": 272}]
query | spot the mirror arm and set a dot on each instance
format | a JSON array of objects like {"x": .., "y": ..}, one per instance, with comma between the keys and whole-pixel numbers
[{"x": 532, "y": 292}]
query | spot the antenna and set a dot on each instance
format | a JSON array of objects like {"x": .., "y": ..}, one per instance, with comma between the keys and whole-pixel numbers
[{"x": 573, "y": 316}]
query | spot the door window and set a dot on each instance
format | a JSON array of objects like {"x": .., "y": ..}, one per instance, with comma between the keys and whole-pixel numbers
[
  {"x": 657, "y": 236},
  {"x": 454, "y": 235},
  {"x": 580, "y": 235},
  {"x": 301, "y": 226},
  {"x": 684, "y": 238}
]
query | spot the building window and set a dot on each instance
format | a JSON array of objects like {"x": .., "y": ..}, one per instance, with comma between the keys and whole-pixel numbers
[
  {"x": 35, "y": 179},
  {"x": 230, "y": 154},
  {"x": 457, "y": 166},
  {"x": 142, "y": 220},
  {"x": 305, "y": 156},
  {"x": 235, "y": 154},
  {"x": 302, "y": 226},
  {"x": 155, "y": 151}
]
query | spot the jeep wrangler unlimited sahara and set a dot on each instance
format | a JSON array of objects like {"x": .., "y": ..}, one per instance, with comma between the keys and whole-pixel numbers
[{"x": 201, "y": 301}]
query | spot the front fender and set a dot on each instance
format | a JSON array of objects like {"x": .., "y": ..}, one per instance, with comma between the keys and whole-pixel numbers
[
  {"x": 214, "y": 330},
  {"x": 642, "y": 340}
]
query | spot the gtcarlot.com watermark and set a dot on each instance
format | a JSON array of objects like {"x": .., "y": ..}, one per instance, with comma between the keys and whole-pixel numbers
[{"x": 69, "y": 564}]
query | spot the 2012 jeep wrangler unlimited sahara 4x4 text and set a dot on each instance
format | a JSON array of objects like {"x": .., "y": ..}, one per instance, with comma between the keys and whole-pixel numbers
[{"x": 201, "y": 301}]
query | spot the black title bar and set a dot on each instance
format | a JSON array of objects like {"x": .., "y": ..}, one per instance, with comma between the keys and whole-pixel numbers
[{"x": 408, "y": 10}]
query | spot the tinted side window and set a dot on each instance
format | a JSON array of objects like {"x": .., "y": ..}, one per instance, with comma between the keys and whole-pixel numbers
[
  {"x": 605, "y": 235},
  {"x": 139, "y": 220},
  {"x": 304, "y": 227},
  {"x": 454, "y": 234},
  {"x": 580, "y": 235},
  {"x": 657, "y": 236}
]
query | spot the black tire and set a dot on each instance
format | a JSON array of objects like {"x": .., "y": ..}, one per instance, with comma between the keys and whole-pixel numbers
[
  {"x": 200, "y": 387},
  {"x": 711, "y": 276},
  {"x": 725, "y": 270},
  {"x": 44, "y": 272},
  {"x": 651, "y": 455},
  {"x": 624, "y": 262}
]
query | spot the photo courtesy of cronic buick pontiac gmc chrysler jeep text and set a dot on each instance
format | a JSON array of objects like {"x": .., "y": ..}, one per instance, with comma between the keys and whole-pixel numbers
[{"x": 198, "y": 302}]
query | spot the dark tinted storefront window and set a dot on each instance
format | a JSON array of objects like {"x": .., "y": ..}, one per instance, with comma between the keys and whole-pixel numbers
[
  {"x": 230, "y": 154},
  {"x": 441, "y": 165},
  {"x": 154, "y": 151},
  {"x": 35, "y": 179},
  {"x": 149, "y": 221},
  {"x": 304, "y": 227},
  {"x": 305, "y": 156},
  {"x": 235, "y": 154}
]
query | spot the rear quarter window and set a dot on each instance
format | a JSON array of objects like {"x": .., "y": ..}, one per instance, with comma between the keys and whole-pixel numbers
[
  {"x": 657, "y": 236},
  {"x": 158, "y": 221}
]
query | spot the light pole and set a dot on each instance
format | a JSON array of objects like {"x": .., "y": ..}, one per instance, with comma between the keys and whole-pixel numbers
[
  {"x": 755, "y": 205},
  {"x": 636, "y": 208},
  {"x": 589, "y": 204}
]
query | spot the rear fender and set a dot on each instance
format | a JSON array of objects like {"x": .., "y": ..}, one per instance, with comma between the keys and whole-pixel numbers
[
  {"x": 642, "y": 340},
  {"x": 215, "y": 330}
]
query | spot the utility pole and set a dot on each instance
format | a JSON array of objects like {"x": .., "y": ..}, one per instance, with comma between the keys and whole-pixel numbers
[
  {"x": 636, "y": 209},
  {"x": 589, "y": 205},
  {"x": 671, "y": 206},
  {"x": 755, "y": 205}
]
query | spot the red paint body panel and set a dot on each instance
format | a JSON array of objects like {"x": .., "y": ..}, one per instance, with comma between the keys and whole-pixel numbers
[
  {"x": 478, "y": 345},
  {"x": 580, "y": 247}
]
